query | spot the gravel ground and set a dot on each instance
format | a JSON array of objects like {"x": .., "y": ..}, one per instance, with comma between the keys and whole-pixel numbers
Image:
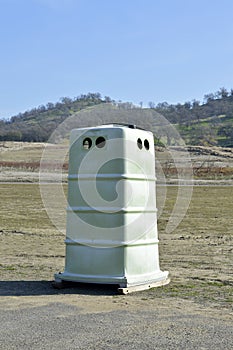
[{"x": 34, "y": 316}]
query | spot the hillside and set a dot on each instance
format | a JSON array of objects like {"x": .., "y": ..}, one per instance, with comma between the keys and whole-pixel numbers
[
  {"x": 36, "y": 125},
  {"x": 206, "y": 124}
]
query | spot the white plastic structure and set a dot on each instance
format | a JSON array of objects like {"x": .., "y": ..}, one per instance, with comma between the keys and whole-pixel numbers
[{"x": 111, "y": 233}]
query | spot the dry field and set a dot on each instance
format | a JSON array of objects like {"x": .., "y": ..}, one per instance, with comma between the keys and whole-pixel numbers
[
  {"x": 198, "y": 253},
  {"x": 20, "y": 162},
  {"x": 194, "y": 311}
]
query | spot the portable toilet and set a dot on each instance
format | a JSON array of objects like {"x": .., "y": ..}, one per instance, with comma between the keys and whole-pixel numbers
[{"x": 111, "y": 235}]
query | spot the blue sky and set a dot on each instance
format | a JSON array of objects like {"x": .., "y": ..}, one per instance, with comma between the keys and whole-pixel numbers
[{"x": 130, "y": 50}]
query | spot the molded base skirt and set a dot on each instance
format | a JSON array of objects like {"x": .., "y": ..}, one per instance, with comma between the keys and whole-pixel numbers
[{"x": 127, "y": 284}]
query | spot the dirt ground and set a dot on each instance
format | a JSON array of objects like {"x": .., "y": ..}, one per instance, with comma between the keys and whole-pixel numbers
[
  {"x": 35, "y": 317},
  {"x": 193, "y": 312}
]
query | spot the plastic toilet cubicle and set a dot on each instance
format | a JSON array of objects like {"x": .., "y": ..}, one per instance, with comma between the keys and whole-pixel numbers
[{"x": 111, "y": 235}]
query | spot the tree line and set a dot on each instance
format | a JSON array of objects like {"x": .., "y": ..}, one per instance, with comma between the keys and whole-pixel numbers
[
  {"x": 206, "y": 123},
  {"x": 37, "y": 124},
  {"x": 209, "y": 123}
]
